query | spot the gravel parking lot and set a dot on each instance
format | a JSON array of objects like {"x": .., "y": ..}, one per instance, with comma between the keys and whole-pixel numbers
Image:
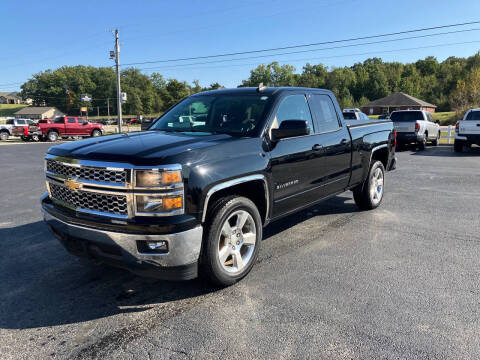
[{"x": 402, "y": 281}]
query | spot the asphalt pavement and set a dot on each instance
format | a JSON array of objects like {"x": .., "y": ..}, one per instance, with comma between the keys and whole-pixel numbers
[{"x": 402, "y": 281}]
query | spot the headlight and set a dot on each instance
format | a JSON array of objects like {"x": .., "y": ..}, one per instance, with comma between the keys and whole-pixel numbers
[
  {"x": 161, "y": 203},
  {"x": 157, "y": 177}
]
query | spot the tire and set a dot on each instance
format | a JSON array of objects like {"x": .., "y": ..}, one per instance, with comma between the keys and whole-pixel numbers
[
  {"x": 35, "y": 138},
  {"x": 52, "y": 136},
  {"x": 458, "y": 146},
  {"x": 4, "y": 135},
  {"x": 96, "y": 133},
  {"x": 369, "y": 195},
  {"x": 227, "y": 259},
  {"x": 437, "y": 140},
  {"x": 423, "y": 144}
]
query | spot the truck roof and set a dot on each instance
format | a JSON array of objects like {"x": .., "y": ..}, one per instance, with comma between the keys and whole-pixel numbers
[{"x": 270, "y": 90}]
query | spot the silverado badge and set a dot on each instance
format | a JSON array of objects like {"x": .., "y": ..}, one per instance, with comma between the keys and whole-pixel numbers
[{"x": 72, "y": 184}]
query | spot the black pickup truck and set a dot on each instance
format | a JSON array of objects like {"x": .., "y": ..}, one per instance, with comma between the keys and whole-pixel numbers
[{"x": 195, "y": 190}]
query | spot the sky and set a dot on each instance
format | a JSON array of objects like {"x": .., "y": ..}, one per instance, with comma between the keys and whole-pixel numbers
[{"x": 41, "y": 35}]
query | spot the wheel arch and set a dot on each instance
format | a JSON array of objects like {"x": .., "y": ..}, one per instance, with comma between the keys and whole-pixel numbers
[
  {"x": 380, "y": 153},
  {"x": 249, "y": 186}
]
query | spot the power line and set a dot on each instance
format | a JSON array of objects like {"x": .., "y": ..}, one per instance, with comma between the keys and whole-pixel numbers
[
  {"x": 346, "y": 55},
  {"x": 304, "y": 45},
  {"x": 311, "y": 50}
]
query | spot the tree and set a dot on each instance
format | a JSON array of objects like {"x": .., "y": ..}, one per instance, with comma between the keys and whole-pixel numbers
[{"x": 272, "y": 75}]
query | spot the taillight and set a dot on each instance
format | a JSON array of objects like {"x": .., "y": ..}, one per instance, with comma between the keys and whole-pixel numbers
[
  {"x": 417, "y": 127},
  {"x": 457, "y": 127},
  {"x": 395, "y": 141}
]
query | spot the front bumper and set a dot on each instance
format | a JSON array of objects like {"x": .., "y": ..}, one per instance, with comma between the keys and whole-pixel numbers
[{"x": 179, "y": 262}]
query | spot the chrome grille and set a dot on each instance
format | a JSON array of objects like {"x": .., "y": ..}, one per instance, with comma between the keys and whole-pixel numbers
[
  {"x": 87, "y": 173},
  {"x": 105, "y": 203}
]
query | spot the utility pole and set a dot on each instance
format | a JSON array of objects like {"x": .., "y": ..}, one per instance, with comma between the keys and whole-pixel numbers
[
  {"x": 108, "y": 108},
  {"x": 117, "y": 68}
]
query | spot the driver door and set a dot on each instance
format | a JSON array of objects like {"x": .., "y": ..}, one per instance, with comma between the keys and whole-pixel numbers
[{"x": 293, "y": 161}]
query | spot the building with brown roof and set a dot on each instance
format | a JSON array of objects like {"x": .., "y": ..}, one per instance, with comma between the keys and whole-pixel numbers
[
  {"x": 38, "y": 112},
  {"x": 396, "y": 101}
]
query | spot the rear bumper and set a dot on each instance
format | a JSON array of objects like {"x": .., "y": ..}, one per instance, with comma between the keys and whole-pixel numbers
[
  {"x": 473, "y": 138},
  {"x": 178, "y": 262},
  {"x": 408, "y": 138}
]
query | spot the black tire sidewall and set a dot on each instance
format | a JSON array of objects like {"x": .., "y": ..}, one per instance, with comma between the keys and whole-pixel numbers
[
  {"x": 4, "y": 135},
  {"x": 219, "y": 215}
]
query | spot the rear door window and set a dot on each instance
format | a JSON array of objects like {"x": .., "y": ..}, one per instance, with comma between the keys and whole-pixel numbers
[
  {"x": 71, "y": 120},
  {"x": 325, "y": 114},
  {"x": 20, "y": 122}
]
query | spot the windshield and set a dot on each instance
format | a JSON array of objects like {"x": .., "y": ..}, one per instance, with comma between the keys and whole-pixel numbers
[
  {"x": 349, "y": 116},
  {"x": 241, "y": 115},
  {"x": 406, "y": 116}
]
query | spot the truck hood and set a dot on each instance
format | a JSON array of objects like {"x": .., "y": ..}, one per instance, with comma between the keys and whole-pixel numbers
[{"x": 142, "y": 148}]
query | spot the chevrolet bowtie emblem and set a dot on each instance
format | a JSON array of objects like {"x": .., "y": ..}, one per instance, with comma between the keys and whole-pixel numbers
[{"x": 72, "y": 184}]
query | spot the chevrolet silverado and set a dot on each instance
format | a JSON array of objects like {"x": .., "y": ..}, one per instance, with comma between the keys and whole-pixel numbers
[{"x": 192, "y": 194}]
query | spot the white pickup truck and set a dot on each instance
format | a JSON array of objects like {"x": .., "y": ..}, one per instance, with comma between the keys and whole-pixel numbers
[
  {"x": 7, "y": 130},
  {"x": 415, "y": 127},
  {"x": 467, "y": 130}
]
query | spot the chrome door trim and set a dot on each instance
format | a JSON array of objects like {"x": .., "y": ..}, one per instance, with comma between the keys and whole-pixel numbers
[{"x": 233, "y": 182}]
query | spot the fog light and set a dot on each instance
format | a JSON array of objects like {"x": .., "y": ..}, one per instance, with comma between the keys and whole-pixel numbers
[
  {"x": 155, "y": 245},
  {"x": 152, "y": 247}
]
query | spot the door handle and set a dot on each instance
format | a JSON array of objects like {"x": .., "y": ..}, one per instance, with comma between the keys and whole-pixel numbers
[
  {"x": 317, "y": 147},
  {"x": 343, "y": 142}
]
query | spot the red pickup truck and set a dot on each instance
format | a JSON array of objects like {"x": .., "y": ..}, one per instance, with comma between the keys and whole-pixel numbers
[{"x": 64, "y": 127}]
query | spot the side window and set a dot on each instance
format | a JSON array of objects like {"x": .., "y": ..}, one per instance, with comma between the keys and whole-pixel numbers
[
  {"x": 20, "y": 122},
  {"x": 71, "y": 120},
  {"x": 293, "y": 107},
  {"x": 325, "y": 113}
]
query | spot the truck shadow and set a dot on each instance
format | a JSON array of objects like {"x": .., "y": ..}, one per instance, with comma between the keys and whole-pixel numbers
[
  {"x": 335, "y": 205},
  {"x": 43, "y": 285},
  {"x": 447, "y": 151}
]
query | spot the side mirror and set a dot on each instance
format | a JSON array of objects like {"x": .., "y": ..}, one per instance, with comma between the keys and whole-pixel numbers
[
  {"x": 290, "y": 128},
  {"x": 437, "y": 122},
  {"x": 85, "y": 122}
]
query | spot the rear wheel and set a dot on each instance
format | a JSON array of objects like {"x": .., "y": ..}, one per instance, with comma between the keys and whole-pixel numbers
[
  {"x": 52, "y": 136},
  {"x": 423, "y": 143},
  {"x": 231, "y": 240},
  {"x": 369, "y": 195},
  {"x": 4, "y": 135},
  {"x": 458, "y": 146},
  {"x": 35, "y": 138}
]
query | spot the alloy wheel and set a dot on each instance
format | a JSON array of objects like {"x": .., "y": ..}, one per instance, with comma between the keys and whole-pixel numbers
[
  {"x": 376, "y": 186},
  {"x": 237, "y": 241}
]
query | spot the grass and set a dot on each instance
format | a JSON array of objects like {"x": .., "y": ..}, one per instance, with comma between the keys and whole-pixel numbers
[{"x": 10, "y": 109}]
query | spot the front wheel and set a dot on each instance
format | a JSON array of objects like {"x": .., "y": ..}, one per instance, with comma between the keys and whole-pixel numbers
[
  {"x": 231, "y": 240},
  {"x": 4, "y": 135},
  {"x": 437, "y": 140},
  {"x": 369, "y": 195},
  {"x": 96, "y": 133}
]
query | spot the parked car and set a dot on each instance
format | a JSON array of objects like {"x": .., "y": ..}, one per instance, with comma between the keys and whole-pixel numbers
[
  {"x": 133, "y": 121},
  {"x": 7, "y": 130},
  {"x": 354, "y": 114},
  {"x": 190, "y": 195},
  {"x": 415, "y": 127},
  {"x": 147, "y": 122},
  {"x": 64, "y": 127},
  {"x": 467, "y": 130}
]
